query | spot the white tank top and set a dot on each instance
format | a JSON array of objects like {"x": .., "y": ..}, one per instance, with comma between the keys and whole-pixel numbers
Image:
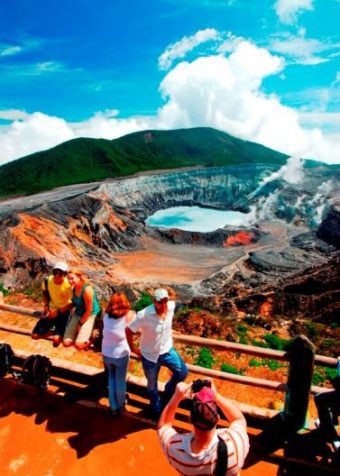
[{"x": 114, "y": 338}]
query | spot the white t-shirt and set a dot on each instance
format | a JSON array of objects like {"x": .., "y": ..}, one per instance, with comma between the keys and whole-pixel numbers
[
  {"x": 156, "y": 333},
  {"x": 177, "y": 449},
  {"x": 114, "y": 342}
]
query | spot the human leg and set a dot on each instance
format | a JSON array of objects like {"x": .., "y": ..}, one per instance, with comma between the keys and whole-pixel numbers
[
  {"x": 151, "y": 371},
  {"x": 121, "y": 371},
  {"x": 42, "y": 327},
  {"x": 173, "y": 361},
  {"x": 71, "y": 331},
  {"x": 84, "y": 333},
  {"x": 111, "y": 369},
  {"x": 326, "y": 402},
  {"x": 60, "y": 326}
]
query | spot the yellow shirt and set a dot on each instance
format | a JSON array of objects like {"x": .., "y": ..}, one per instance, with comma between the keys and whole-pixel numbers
[{"x": 60, "y": 294}]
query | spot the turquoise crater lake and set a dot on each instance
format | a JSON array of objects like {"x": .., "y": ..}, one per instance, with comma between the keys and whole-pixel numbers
[{"x": 197, "y": 219}]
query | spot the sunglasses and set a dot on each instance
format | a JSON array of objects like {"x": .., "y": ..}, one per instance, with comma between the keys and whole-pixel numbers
[
  {"x": 58, "y": 272},
  {"x": 162, "y": 301}
]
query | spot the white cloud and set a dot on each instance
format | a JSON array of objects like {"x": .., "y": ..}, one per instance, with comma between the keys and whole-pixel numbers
[
  {"x": 10, "y": 50},
  {"x": 302, "y": 50},
  {"x": 39, "y": 131},
  {"x": 215, "y": 91},
  {"x": 13, "y": 114},
  {"x": 226, "y": 93},
  {"x": 288, "y": 10},
  {"x": 183, "y": 46}
]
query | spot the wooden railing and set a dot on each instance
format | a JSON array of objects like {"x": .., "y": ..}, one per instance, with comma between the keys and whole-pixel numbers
[{"x": 209, "y": 343}]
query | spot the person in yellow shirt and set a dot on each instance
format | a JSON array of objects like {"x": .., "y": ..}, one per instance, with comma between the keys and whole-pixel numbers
[{"x": 57, "y": 294}]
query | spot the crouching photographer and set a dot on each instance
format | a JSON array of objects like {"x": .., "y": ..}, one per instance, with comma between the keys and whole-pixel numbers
[{"x": 205, "y": 450}]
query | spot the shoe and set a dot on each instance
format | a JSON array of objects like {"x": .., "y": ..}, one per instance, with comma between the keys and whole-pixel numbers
[
  {"x": 115, "y": 413},
  {"x": 317, "y": 423},
  {"x": 336, "y": 445},
  {"x": 56, "y": 341}
]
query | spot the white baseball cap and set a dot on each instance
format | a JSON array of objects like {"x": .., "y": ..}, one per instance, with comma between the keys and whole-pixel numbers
[
  {"x": 160, "y": 294},
  {"x": 62, "y": 266}
]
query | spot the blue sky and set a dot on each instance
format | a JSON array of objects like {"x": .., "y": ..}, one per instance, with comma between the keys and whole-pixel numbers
[{"x": 266, "y": 71}]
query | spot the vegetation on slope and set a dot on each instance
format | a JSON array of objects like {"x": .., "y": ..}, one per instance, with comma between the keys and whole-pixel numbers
[{"x": 88, "y": 160}]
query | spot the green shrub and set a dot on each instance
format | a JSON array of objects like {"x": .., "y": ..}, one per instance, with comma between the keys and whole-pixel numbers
[
  {"x": 4, "y": 291},
  {"x": 327, "y": 343},
  {"x": 231, "y": 369},
  {"x": 250, "y": 320},
  {"x": 259, "y": 343},
  {"x": 311, "y": 330},
  {"x": 254, "y": 362},
  {"x": 275, "y": 342},
  {"x": 205, "y": 358},
  {"x": 318, "y": 377},
  {"x": 331, "y": 373},
  {"x": 271, "y": 363},
  {"x": 144, "y": 300}
]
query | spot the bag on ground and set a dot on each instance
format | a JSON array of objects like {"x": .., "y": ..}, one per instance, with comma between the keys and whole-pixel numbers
[
  {"x": 6, "y": 359},
  {"x": 36, "y": 370}
]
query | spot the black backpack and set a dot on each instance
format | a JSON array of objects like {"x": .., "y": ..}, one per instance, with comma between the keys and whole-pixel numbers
[
  {"x": 6, "y": 359},
  {"x": 36, "y": 371}
]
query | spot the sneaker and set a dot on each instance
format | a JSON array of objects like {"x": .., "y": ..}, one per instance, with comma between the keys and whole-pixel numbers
[{"x": 336, "y": 445}]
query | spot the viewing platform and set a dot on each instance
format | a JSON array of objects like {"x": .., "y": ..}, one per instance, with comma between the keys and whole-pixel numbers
[{"x": 67, "y": 430}]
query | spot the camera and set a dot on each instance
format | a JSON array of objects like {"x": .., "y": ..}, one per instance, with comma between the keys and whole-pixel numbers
[{"x": 198, "y": 384}]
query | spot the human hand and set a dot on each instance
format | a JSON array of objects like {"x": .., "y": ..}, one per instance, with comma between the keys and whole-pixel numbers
[
  {"x": 213, "y": 387},
  {"x": 183, "y": 390}
]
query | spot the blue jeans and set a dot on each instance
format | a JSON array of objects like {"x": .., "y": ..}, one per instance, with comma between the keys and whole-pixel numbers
[
  {"x": 179, "y": 370},
  {"x": 117, "y": 370}
]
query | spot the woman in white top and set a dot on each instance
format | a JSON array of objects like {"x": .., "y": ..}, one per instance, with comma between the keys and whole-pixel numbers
[{"x": 115, "y": 349}]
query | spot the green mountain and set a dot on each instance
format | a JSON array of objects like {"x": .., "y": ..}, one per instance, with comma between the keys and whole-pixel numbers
[{"x": 88, "y": 160}]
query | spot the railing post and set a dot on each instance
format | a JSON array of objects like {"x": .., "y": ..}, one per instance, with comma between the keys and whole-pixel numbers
[{"x": 300, "y": 356}]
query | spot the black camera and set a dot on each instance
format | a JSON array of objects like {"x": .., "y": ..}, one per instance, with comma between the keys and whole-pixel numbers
[{"x": 198, "y": 384}]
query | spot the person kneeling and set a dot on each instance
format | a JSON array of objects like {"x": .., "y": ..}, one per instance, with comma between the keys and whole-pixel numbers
[
  {"x": 85, "y": 309},
  {"x": 57, "y": 293},
  {"x": 205, "y": 450}
]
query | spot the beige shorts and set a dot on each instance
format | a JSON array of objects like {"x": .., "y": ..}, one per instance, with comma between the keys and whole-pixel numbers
[{"x": 85, "y": 330}]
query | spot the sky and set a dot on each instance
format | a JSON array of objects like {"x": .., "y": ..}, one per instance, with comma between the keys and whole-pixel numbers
[{"x": 265, "y": 71}]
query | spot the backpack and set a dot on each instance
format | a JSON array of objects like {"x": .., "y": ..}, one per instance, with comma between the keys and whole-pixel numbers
[
  {"x": 36, "y": 371},
  {"x": 6, "y": 359}
]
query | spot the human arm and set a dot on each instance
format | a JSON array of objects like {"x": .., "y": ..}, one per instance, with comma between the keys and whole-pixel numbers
[
  {"x": 182, "y": 392},
  {"x": 88, "y": 301},
  {"x": 230, "y": 410},
  {"x": 130, "y": 336},
  {"x": 45, "y": 297},
  {"x": 133, "y": 328}
]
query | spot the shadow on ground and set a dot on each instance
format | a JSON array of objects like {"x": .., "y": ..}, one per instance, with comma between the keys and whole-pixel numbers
[{"x": 92, "y": 426}]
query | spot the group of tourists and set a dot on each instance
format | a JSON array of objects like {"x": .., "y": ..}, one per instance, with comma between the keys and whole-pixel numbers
[{"x": 70, "y": 310}]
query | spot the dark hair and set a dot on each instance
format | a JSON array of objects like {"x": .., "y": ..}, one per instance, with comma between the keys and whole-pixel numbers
[{"x": 118, "y": 305}]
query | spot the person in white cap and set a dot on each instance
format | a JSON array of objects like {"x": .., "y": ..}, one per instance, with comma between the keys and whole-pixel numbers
[
  {"x": 156, "y": 347},
  {"x": 57, "y": 294}
]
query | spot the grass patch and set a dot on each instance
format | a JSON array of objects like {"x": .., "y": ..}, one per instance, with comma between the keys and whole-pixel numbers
[
  {"x": 231, "y": 369},
  {"x": 205, "y": 358}
]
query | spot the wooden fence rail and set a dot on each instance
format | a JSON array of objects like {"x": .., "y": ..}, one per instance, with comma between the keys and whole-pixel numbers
[{"x": 203, "y": 342}]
